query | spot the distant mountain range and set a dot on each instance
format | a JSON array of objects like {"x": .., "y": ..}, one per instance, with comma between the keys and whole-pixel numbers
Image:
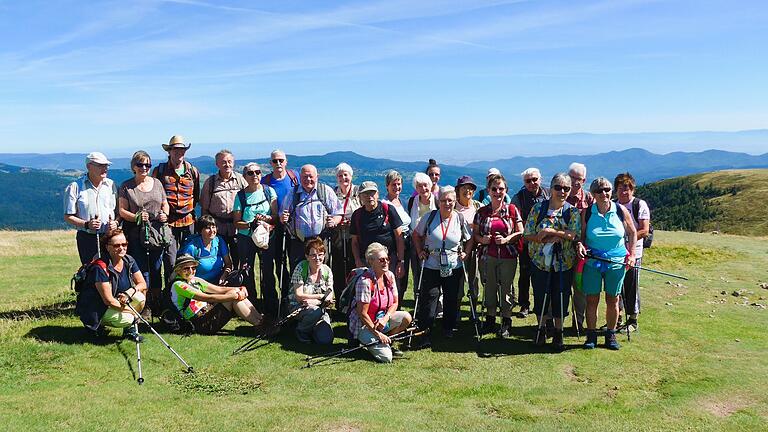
[{"x": 31, "y": 185}]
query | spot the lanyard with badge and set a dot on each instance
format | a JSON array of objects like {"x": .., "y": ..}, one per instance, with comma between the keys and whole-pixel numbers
[{"x": 445, "y": 268}]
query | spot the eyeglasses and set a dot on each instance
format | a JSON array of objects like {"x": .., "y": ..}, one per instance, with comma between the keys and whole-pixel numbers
[
  {"x": 532, "y": 180},
  {"x": 253, "y": 173},
  {"x": 384, "y": 260},
  {"x": 498, "y": 189},
  {"x": 604, "y": 190},
  {"x": 119, "y": 245},
  {"x": 143, "y": 165},
  {"x": 275, "y": 161},
  {"x": 317, "y": 255},
  {"x": 561, "y": 188}
]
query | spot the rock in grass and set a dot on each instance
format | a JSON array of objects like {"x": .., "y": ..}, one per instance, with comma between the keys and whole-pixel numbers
[
  {"x": 735, "y": 293},
  {"x": 763, "y": 285}
]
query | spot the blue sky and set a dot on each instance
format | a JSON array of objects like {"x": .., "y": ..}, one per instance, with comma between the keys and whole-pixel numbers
[{"x": 78, "y": 75}]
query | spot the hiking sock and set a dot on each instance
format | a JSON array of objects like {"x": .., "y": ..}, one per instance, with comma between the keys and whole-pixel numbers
[{"x": 506, "y": 327}]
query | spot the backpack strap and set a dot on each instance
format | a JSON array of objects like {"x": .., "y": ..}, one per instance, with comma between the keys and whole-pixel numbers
[
  {"x": 410, "y": 203},
  {"x": 385, "y": 209},
  {"x": 431, "y": 217},
  {"x": 636, "y": 209},
  {"x": 542, "y": 211},
  {"x": 292, "y": 175}
]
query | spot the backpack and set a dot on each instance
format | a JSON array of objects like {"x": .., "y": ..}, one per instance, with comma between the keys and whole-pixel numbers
[
  {"x": 384, "y": 208},
  {"x": 346, "y": 300},
  {"x": 267, "y": 179},
  {"x": 566, "y": 215},
  {"x": 588, "y": 214},
  {"x": 244, "y": 201},
  {"x": 78, "y": 281},
  {"x": 648, "y": 241},
  {"x": 305, "y": 272}
]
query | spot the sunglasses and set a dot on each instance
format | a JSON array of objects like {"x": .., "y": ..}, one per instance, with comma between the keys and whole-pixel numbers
[
  {"x": 532, "y": 180},
  {"x": 253, "y": 173},
  {"x": 117, "y": 245},
  {"x": 384, "y": 260},
  {"x": 278, "y": 160},
  {"x": 604, "y": 190},
  {"x": 560, "y": 188},
  {"x": 498, "y": 189},
  {"x": 143, "y": 165}
]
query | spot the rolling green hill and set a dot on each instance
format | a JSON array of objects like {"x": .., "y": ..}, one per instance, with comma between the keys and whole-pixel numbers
[{"x": 728, "y": 201}]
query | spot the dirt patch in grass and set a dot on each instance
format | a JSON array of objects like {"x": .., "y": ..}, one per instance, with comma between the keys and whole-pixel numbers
[
  {"x": 572, "y": 374},
  {"x": 724, "y": 407},
  {"x": 343, "y": 428}
]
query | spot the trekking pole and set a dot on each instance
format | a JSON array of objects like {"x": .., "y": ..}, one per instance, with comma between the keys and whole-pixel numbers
[
  {"x": 140, "y": 379},
  {"x": 250, "y": 345},
  {"x": 138, "y": 315},
  {"x": 637, "y": 267},
  {"x": 280, "y": 276},
  {"x": 396, "y": 337},
  {"x": 98, "y": 239},
  {"x": 559, "y": 252},
  {"x": 472, "y": 306},
  {"x": 623, "y": 297},
  {"x": 544, "y": 304},
  {"x": 416, "y": 297}
]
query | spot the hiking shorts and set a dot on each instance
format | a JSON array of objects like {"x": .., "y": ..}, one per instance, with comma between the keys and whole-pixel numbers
[
  {"x": 593, "y": 280},
  {"x": 118, "y": 319},
  {"x": 212, "y": 320}
]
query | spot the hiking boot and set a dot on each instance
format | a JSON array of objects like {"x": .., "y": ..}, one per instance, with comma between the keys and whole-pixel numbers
[
  {"x": 610, "y": 340},
  {"x": 448, "y": 333},
  {"x": 523, "y": 312},
  {"x": 557, "y": 341},
  {"x": 591, "y": 341},
  {"x": 131, "y": 334},
  {"x": 99, "y": 333},
  {"x": 541, "y": 336},
  {"x": 506, "y": 327},
  {"x": 397, "y": 354},
  {"x": 489, "y": 326}
]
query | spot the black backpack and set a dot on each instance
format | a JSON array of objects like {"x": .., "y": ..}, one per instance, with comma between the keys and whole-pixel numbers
[
  {"x": 648, "y": 241},
  {"x": 78, "y": 282}
]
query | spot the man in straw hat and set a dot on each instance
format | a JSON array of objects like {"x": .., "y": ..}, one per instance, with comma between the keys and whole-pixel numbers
[
  {"x": 181, "y": 182},
  {"x": 89, "y": 205}
]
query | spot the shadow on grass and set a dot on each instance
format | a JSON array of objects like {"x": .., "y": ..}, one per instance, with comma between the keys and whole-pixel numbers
[
  {"x": 69, "y": 335},
  {"x": 48, "y": 311}
]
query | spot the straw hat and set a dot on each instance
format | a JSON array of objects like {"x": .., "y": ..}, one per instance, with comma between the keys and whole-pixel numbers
[{"x": 184, "y": 260}]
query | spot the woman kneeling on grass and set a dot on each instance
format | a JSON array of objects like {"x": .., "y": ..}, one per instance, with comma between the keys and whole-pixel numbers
[
  {"x": 312, "y": 291},
  {"x": 207, "y": 306},
  {"x": 374, "y": 313},
  {"x": 603, "y": 229},
  {"x": 113, "y": 281}
]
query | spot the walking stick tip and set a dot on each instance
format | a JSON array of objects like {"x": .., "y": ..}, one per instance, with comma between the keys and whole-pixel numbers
[{"x": 140, "y": 381}]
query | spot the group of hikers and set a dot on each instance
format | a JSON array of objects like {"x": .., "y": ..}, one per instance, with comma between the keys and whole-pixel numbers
[{"x": 144, "y": 250}]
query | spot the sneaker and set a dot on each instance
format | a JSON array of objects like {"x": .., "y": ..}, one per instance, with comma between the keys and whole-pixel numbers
[
  {"x": 557, "y": 341},
  {"x": 523, "y": 312},
  {"x": 591, "y": 341},
  {"x": 131, "y": 334},
  {"x": 610, "y": 340},
  {"x": 397, "y": 354},
  {"x": 506, "y": 326},
  {"x": 632, "y": 324}
]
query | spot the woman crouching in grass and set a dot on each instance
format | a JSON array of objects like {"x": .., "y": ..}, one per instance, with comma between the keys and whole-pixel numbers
[
  {"x": 207, "y": 306},
  {"x": 374, "y": 315},
  {"x": 113, "y": 281},
  {"x": 311, "y": 292}
]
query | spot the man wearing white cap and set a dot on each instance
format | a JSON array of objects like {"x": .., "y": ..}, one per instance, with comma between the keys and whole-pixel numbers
[
  {"x": 484, "y": 197},
  {"x": 89, "y": 205}
]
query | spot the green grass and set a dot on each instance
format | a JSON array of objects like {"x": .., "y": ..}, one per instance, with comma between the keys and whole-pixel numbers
[{"x": 698, "y": 363}]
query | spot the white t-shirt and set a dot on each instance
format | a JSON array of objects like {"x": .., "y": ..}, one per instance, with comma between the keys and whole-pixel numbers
[
  {"x": 455, "y": 230},
  {"x": 404, "y": 216},
  {"x": 644, "y": 213}
]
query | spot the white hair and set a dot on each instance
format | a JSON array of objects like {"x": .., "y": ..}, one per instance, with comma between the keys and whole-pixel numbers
[
  {"x": 249, "y": 166},
  {"x": 276, "y": 152},
  {"x": 530, "y": 172},
  {"x": 421, "y": 178},
  {"x": 445, "y": 190},
  {"x": 578, "y": 168},
  {"x": 344, "y": 167}
]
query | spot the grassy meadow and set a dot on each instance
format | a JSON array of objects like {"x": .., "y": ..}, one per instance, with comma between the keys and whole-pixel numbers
[{"x": 699, "y": 362}]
